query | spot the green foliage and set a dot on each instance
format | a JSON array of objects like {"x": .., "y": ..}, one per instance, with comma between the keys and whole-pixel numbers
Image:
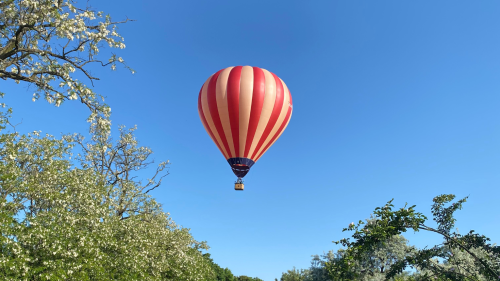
[
  {"x": 444, "y": 216},
  {"x": 220, "y": 274},
  {"x": 70, "y": 208},
  {"x": 62, "y": 221},
  {"x": 295, "y": 275},
  {"x": 246, "y": 278},
  {"x": 224, "y": 274},
  {"x": 317, "y": 271},
  {"x": 374, "y": 263},
  {"x": 466, "y": 257},
  {"x": 372, "y": 266}
]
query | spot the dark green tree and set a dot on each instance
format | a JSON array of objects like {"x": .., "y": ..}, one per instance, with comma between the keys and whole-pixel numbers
[
  {"x": 246, "y": 278},
  {"x": 221, "y": 274},
  {"x": 466, "y": 257},
  {"x": 373, "y": 264}
]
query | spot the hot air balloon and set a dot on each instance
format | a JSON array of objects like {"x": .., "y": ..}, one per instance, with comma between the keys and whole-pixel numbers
[{"x": 244, "y": 109}]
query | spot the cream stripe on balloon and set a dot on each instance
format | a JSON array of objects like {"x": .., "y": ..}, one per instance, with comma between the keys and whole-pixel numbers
[
  {"x": 245, "y": 106},
  {"x": 221, "y": 95}
]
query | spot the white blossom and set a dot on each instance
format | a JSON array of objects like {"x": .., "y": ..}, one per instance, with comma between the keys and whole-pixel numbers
[{"x": 69, "y": 208}]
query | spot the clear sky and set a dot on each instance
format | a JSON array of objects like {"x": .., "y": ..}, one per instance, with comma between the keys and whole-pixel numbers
[{"x": 392, "y": 99}]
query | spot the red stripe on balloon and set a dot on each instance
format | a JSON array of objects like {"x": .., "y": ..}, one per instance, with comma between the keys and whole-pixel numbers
[
  {"x": 233, "y": 104},
  {"x": 205, "y": 124},
  {"x": 278, "y": 105},
  {"x": 259, "y": 92},
  {"x": 278, "y": 133},
  {"x": 214, "y": 112}
]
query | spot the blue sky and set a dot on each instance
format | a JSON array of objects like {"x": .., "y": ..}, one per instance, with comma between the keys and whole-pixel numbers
[{"x": 392, "y": 99}]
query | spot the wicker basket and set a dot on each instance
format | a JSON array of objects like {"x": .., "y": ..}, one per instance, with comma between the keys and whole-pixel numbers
[{"x": 238, "y": 186}]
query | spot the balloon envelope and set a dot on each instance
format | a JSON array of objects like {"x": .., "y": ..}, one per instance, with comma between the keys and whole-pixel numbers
[{"x": 244, "y": 109}]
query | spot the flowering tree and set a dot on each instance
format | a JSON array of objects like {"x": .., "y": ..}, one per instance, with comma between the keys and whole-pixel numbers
[
  {"x": 91, "y": 221},
  {"x": 44, "y": 42},
  {"x": 466, "y": 257},
  {"x": 70, "y": 208}
]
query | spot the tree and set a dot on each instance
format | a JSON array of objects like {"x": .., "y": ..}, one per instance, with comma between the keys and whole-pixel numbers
[
  {"x": 220, "y": 274},
  {"x": 44, "y": 42},
  {"x": 295, "y": 275},
  {"x": 374, "y": 263},
  {"x": 70, "y": 208},
  {"x": 246, "y": 278},
  {"x": 317, "y": 269},
  {"x": 465, "y": 257},
  {"x": 63, "y": 222}
]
